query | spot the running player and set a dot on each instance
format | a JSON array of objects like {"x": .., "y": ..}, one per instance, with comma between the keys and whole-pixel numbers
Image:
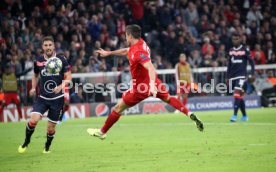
[
  {"x": 144, "y": 81},
  {"x": 239, "y": 55},
  {"x": 51, "y": 96}
]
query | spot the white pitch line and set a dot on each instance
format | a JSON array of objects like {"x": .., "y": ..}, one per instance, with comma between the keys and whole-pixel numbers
[
  {"x": 181, "y": 124},
  {"x": 257, "y": 144},
  {"x": 206, "y": 124}
]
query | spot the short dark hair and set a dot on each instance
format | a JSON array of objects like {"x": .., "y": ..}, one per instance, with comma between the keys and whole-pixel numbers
[
  {"x": 134, "y": 30},
  {"x": 48, "y": 38},
  {"x": 236, "y": 34}
]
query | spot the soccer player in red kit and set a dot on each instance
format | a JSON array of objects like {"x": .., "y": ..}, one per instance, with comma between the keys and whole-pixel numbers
[{"x": 145, "y": 82}]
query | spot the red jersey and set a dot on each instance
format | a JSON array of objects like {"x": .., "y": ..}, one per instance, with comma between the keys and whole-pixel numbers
[{"x": 139, "y": 54}]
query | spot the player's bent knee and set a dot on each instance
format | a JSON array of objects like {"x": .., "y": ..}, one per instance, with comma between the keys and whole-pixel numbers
[
  {"x": 33, "y": 121},
  {"x": 51, "y": 127},
  {"x": 167, "y": 100},
  {"x": 120, "y": 107},
  {"x": 117, "y": 108},
  {"x": 35, "y": 117},
  {"x": 51, "y": 130}
]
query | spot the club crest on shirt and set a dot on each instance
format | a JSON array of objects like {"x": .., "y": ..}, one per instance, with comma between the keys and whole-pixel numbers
[
  {"x": 143, "y": 56},
  {"x": 45, "y": 73}
]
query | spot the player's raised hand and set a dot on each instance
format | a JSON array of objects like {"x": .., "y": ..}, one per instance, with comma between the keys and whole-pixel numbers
[{"x": 102, "y": 52}]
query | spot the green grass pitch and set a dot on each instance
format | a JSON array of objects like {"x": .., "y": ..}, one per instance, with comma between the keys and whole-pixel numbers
[{"x": 153, "y": 143}]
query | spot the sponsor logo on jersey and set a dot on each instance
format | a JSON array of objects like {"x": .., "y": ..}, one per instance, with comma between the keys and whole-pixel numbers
[
  {"x": 45, "y": 73},
  {"x": 233, "y": 60},
  {"x": 237, "y": 53},
  {"x": 144, "y": 57}
]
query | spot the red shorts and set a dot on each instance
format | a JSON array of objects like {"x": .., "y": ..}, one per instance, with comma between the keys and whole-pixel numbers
[
  {"x": 184, "y": 88},
  {"x": 132, "y": 97},
  {"x": 11, "y": 98}
]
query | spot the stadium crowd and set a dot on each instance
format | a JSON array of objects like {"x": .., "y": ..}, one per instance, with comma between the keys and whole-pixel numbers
[{"x": 201, "y": 29}]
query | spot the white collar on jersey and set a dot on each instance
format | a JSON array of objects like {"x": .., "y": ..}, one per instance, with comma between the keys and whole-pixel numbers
[
  {"x": 237, "y": 48},
  {"x": 46, "y": 58}
]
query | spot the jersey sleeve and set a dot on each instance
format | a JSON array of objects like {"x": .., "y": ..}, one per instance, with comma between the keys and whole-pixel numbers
[
  {"x": 65, "y": 65},
  {"x": 36, "y": 68},
  {"x": 141, "y": 57}
]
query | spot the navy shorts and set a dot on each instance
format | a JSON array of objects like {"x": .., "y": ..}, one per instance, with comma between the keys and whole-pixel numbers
[
  {"x": 238, "y": 84},
  {"x": 54, "y": 108}
]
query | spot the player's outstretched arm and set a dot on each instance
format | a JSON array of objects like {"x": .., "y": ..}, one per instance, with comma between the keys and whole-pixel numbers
[{"x": 119, "y": 52}]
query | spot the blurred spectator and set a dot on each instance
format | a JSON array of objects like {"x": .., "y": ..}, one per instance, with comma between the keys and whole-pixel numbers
[
  {"x": 269, "y": 50},
  {"x": 261, "y": 59},
  {"x": 257, "y": 58},
  {"x": 125, "y": 79},
  {"x": 193, "y": 45},
  {"x": 165, "y": 16},
  {"x": 191, "y": 15},
  {"x": 273, "y": 59},
  {"x": 221, "y": 58},
  {"x": 94, "y": 27},
  {"x": 170, "y": 27},
  {"x": 229, "y": 14},
  {"x": 121, "y": 25},
  {"x": 195, "y": 60},
  {"x": 77, "y": 97},
  {"x": 159, "y": 62},
  {"x": 207, "y": 60},
  {"x": 94, "y": 64},
  {"x": 207, "y": 47},
  {"x": 137, "y": 9},
  {"x": 254, "y": 14}
]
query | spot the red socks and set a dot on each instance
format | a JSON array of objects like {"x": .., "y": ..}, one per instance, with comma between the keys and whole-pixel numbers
[
  {"x": 111, "y": 119},
  {"x": 184, "y": 101},
  {"x": 174, "y": 102},
  {"x": 1, "y": 113},
  {"x": 114, "y": 116}
]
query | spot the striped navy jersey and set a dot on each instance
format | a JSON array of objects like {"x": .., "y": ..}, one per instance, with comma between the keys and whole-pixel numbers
[
  {"x": 49, "y": 81},
  {"x": 237, "y": 63}
]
